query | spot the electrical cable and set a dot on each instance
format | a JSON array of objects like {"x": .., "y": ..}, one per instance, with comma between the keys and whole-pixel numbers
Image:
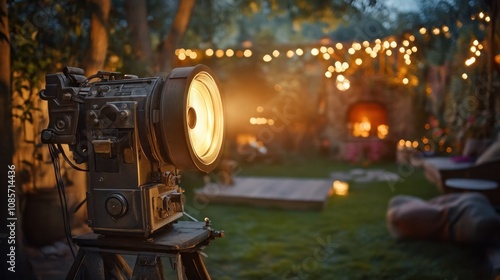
[
  {"x": 54, "y": 154},
  {"x": 68, "y": 161}
]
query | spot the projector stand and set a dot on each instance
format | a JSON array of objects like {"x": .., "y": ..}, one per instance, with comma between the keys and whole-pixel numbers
[{"x": 181, "y": 242}]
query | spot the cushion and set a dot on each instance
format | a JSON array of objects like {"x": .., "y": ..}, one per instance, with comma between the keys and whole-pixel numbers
[
  {"x": 458, "y": 217},
  {"x": 492, "y": 153},
  {"x": 411, "y": 217}
]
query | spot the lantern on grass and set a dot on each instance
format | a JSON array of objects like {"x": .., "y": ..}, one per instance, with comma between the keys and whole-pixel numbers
[{"x": 340, "y": 188}]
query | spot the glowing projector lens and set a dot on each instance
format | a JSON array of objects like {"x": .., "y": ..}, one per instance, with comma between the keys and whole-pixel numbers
[
  {"x": 204, "y": 118},
  {"x": 192, "y": 119}
]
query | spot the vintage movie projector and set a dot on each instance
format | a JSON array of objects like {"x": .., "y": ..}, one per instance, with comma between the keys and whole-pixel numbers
[{"x": 135, "y": 134}]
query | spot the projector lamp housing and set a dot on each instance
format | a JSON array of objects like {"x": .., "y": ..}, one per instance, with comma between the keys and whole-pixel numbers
[{"x": 136, "y": 134}]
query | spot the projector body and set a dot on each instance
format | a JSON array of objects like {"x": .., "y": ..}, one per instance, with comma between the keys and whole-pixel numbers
[
  {"x": 134, "y": 135},
  {"x": 129, "y": 193}
]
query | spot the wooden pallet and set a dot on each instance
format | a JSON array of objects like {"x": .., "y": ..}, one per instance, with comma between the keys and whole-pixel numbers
[{"x": 287, "y": 193}]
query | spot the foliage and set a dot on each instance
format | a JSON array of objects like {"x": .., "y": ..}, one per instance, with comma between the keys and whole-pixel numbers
[{"x": 37, "y": 34}]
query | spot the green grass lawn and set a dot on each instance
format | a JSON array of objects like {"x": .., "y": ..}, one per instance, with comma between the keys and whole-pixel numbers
[{"x": 346, "y": 240}]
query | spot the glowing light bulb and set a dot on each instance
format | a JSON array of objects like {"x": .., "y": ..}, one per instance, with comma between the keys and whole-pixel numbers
[{"x": 247, "y": 53}]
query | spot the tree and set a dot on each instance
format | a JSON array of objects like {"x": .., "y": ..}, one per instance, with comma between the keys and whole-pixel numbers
[
  {"x": 137, "y": 23},
  {"x": 5, "y": 89},
  {"x": 6, "y": 120},
  {"x": 98, "y": 47},
  {"x": 174, "y": 38}
]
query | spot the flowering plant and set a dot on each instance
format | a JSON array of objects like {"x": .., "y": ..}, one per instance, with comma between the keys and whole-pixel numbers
[{"x": 476, "y": 125}]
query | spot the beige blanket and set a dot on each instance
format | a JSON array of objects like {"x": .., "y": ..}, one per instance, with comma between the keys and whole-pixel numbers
[{"x": 458, "y": 217}]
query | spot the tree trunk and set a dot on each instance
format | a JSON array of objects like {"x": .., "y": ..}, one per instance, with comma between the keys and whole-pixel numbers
[
  {"x": 5, "y": 125},
  {"x": 175, "y": 35},
  {"x": 21, "y": 264},
  {"x": 98, "y": 46},
  {"x": 139, "y": 34},
  {"x": 5, "y": 90}
]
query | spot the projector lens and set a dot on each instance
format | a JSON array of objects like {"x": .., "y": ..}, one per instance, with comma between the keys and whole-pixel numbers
[
  {"x": 205, "y": 133},
  {"x": 192, "y": 119}
]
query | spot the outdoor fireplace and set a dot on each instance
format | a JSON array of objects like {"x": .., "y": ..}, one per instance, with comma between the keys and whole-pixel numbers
[
  {"x": 367, "y": 120},
  {"x": 367, "y": 126}
]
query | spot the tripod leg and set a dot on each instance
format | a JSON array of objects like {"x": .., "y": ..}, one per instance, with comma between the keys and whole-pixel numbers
[
  {"x": 179, "y": 267},
  {"x": 116, "y": 267},
  {"x": 75, "y": 267},
  {"x": 194, "y": 266},
  {"x": 93, "y": 266},
  {"x": 148, "y": 267}
]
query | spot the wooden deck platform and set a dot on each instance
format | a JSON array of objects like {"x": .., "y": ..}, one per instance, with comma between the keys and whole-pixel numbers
[{"x": 288, "y": 193}]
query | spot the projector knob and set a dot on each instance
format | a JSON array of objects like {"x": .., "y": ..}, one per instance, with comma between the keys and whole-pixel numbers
[
  {"x": 116, "y": 205},
  {"x": 48, "y": 136}
]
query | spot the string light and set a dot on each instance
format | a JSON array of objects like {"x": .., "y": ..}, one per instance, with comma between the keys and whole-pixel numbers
[
  {"x": 219, "y": 53},
  {"x": 377, "y": 46},
  {"x": 247, "y": 53},
  {"x": 470, "y": 61}
]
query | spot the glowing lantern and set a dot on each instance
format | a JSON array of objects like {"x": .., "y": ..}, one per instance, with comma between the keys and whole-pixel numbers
[{"x": 340, "y": 188}]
